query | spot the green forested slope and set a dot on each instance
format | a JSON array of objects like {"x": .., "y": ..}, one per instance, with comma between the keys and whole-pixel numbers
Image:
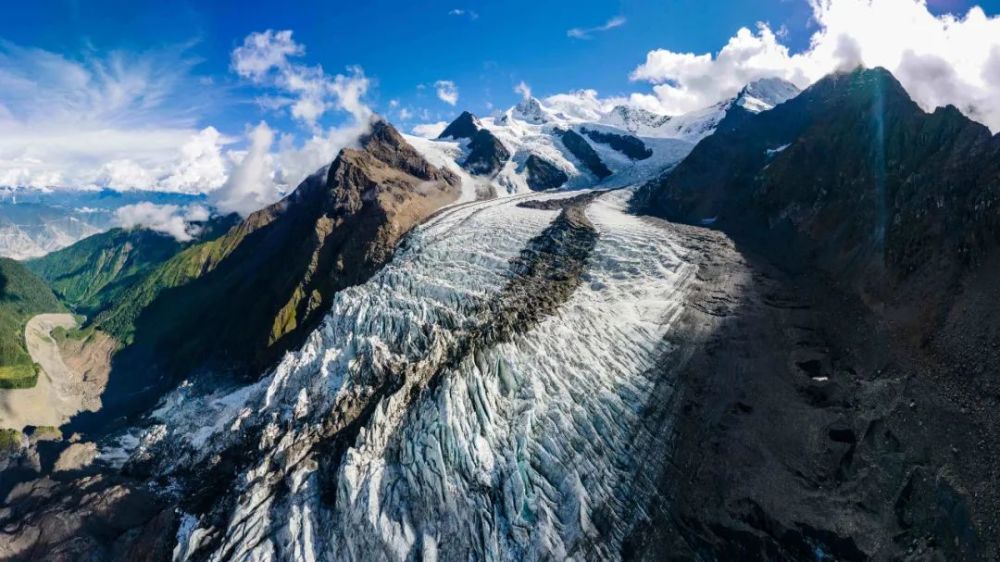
[{"x": 22, "y": 295}]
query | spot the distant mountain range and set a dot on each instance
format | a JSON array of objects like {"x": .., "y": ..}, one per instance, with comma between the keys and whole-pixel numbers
[
  {"x": 34, "y": 222},
  {"x": 575, "y": 146}
]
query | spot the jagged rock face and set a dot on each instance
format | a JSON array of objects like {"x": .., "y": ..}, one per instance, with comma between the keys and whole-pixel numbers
[
  {"x": 486, "y": 154},
  {"x": 860, "y": 174},
  {"x": 89, "y": 518},
  {"x": 898, "y": 211},
  {"x": 581, "y": 149},
  {"x": 628, "y": 145},
  {"x": 542, "y": 174},
  {"x": 464, "y": 126}
]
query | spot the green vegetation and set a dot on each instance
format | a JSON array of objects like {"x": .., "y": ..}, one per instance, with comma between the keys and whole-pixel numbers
[
  {"x": 92, "y": 274},
  {"x": 10, "y": 441},
  {"x": 22, "y": 295},
  {"x": 192, "y": 262},
  {"x": 61, "y": 334},
  {"x": 46, "y": 433}
]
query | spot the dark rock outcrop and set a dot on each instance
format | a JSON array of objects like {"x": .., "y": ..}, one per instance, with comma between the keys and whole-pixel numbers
[
  {"x": 628, "y": 145},
  {"x": 87, "y": 518},
  {"x": 581, "y": 149},
  {"x": 486, "y": 154},
  {"x": 464, "y": 126},
  {"x": 542, "y": 174}
]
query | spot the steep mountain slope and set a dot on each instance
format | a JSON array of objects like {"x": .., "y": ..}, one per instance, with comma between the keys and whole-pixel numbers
[
  {"x": 857, "y": 389},
  {"x": 238, "y": 302},
  {"x": 484, "y": 395},
  {"x": 94, "y": 273},
  {"x": 856, "y": 170},
  {"x": 546, "y": 376},
  {"x": 91, "y": 274},
  {"x": 22, "y": 295}
]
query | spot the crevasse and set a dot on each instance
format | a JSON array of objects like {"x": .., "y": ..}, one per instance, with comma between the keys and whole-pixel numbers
[{"x": 389, "y": 436}]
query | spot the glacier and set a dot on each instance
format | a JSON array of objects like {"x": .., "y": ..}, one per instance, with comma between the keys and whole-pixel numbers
[{"x": 496, "y": 392}]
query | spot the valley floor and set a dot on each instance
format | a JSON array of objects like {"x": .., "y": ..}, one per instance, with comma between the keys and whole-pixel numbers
[{"x": 60, "y": 393}]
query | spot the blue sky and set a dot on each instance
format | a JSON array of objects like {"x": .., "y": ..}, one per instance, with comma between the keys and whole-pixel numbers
[
  {"x": 485, "y": 51},
  {"x": 400, "y": 44},
  {"x": 156, "y": 73}
]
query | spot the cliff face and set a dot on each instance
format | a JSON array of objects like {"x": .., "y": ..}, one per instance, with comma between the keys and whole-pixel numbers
[
  {"x": 465, "y": 126},
  {"x": 486, "y": 154}
]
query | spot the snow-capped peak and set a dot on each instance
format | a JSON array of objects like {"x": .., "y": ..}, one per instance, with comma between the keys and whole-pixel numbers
[
  {"x": 633, "y": 119},
  {"x": 764, "y": 94},
  {"x": 530, "y": 110}
]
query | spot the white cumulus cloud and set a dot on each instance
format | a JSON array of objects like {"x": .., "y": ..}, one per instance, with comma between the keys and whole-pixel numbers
[
  {"x": 201, "y": 167},
  {"x": 446, "y": 91},
  {"x": 125, "y": 174},
  {"x": 172, "y": 220},
  {"x": 523, "y": 89},
  {"x": 251, "y": 183},
  {"x": 70, "y": 121},
  {"x": 429, "y": 130},
  {"x": 939, "y": 59},
  {"x": 307, "y": 92}
]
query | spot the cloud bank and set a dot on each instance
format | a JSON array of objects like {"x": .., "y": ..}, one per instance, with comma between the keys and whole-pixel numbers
[
  {"x": 940, "y": 60},
  {"x": 172, "y": 220},
  {"x": 129, "y": 121},
  {"x": 116, "y": 116},
  {"x": 446, "y": 91},
  {"x": 429, "y": 130}
]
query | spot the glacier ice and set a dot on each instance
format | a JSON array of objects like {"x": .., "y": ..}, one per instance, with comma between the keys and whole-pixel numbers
[{"x": 393, "y": 434}]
